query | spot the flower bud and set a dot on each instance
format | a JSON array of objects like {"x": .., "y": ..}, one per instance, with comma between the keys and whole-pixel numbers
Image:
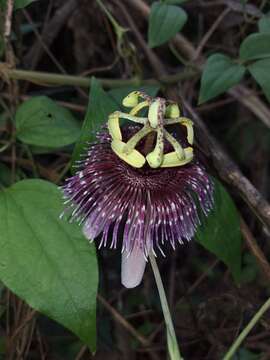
[{"x": 172, "y": 111}]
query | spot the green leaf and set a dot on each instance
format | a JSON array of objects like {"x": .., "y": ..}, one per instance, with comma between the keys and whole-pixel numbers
[
  {"x": 47, "y": 261},
  {"x": 264, "y": 24},
  {"x": 219, "y": 74},
  {"x": 260, "y": 70},
  {"x": 42, "y": 150},
  {"x": 250, "y": 269},
  {"x": 5, "y": 175},
  {"x": 220, "y": 231},
  {"x": 6, "y": 178},
  {"x": 255, "y": 46},
  {"x": 164, "y": 22},
  {"x": 20, "y": 4},
  {"x": 3, "y": 4},
  {"x": 100, "y": 105},
  {"x": 42, "y": 122}
]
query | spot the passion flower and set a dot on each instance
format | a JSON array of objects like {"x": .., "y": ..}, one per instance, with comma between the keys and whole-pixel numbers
[{"x": 139, "y": 185}]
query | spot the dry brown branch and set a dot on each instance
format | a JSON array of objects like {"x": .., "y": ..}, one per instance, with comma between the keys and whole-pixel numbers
[
  {"x": 121, "y": 320},
  {"x": 43, "y": 45},
  {"x": 81, "y": 353},
  {"x": 8, "y": 19},
  {"x": 255, "y": 249},
  {"x": 29, "y": 317},
  {"x": 50, "y": 32},
  {"x": 209, "y": 33},
  {"x": 239, "y": 6},
  {"x": 190, "y": 290},
  {"x": 256, "y": 106},
  {"x": 7, "y": 32},
  {"x": 229, "y": 171}
]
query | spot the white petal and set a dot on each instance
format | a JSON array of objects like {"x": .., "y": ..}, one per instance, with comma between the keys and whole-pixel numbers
[{"x": 133, "y": 266}]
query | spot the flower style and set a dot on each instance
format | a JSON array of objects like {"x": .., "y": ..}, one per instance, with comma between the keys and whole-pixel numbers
[{"x": 139, "y": 184}]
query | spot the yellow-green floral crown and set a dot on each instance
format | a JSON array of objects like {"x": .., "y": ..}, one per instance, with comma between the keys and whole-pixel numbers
[{"x": 160, "y": 114}]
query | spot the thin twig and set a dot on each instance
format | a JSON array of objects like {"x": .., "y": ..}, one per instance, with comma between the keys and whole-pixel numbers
[
  {"x": 190, "y": 290},
  {"x": 255, "y": 249},
  {"x": 209, "y": 33},
  {"x": 240, "y": 6},
  {"x": 246, "y": 330},
  {"x": 99, "y": 69},
  {"x": 81, "y": 353},
  {"x": 26, "y": 320},
  {"x": 142, "y": 340},
  {"x": 248, "y": 98},
  {"x": 44, "y": 46},
  {"x": 27, "y": 164},
  {"x": 153, "y": 59},
  {"x": 50, "y": 31}
]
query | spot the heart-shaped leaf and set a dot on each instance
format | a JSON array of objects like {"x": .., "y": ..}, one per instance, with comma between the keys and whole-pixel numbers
[
  {"x": 260, "y": 70},
  {"x": 47, "y": 261},
  {"x": 220, "y": 231},
  {"x": 255, "y": 46},
  {"x": 264, "y": 24},
  {"x": 219, "y": 74},
  {"x": 42, "y": 122},
  {"x": 164, "y": 22},
  {"x": 100, "y": 105}
]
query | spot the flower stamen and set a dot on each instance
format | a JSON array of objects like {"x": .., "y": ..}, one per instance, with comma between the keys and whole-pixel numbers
[
  {"x": 155, "y": 157},
  {"x": 139, "y": 107},
  {"x": 156, "y": 121}
]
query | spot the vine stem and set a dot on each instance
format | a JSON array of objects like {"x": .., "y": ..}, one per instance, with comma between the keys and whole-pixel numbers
[
  {"x": 246, "y": 330},
  {"x": 118, "y": 29},
  {"x": 46, "y": 78},
  {"x": 172, "y": 344}
]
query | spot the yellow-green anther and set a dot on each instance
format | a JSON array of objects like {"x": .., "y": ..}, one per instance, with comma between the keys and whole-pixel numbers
[
  {"x": 132, "y": 99},
  {"x": 155, "y": 157},
  {"x": 114, "y": 126},
  {"x": 156, "y": 113},
  {"x": 140, "y": 106},
  {"x": 172, "y": 121},
  {"x": 134, "y": 158},
  {"x": 190, "y": 132},
  {"x": 171, "y": 159},
  {"x": 139, "y": 120},
  {"x": 175, "y": 144},
  {"x": 172, "y": 111},
  {"x": 133, "y": 141}
]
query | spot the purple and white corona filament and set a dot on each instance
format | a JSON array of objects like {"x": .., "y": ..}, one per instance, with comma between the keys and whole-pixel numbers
[{"x": 139, "y": 186}]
